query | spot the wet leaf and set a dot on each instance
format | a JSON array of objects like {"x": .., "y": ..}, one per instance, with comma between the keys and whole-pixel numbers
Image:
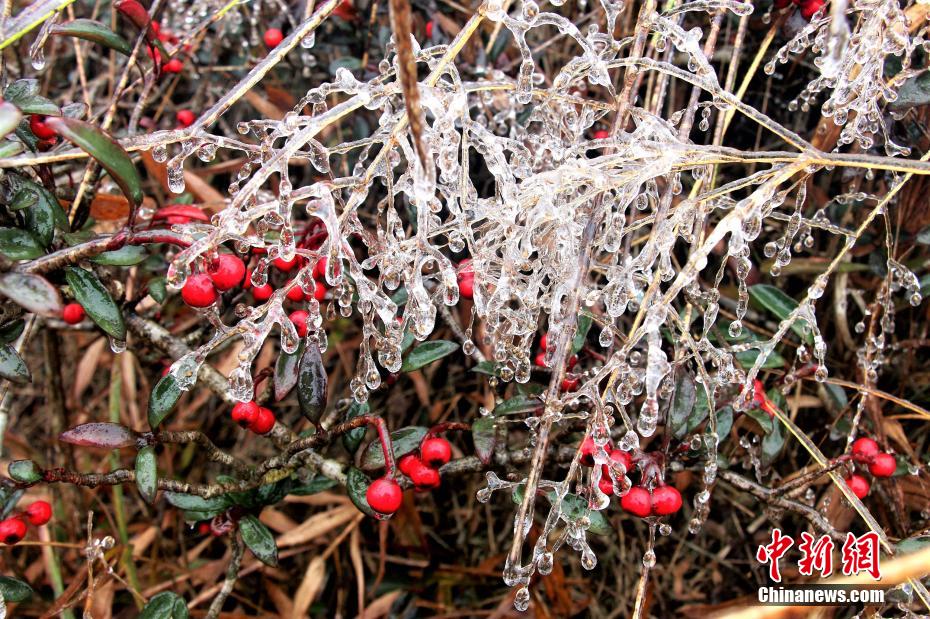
[
  {"x": 259, "y": 540},
  {"x": 9, "y": 117},
  {"x": 12, "y": 366},
  {"x": 491, "y": 368},
  {"x": 33, "y": 293},
  {"x": 285, "y": 372},
  {"x": 165, "y": 394},
  {"x": 147, "y": 473},
  {"x": 25, "y": 471},
  {"x": 772, "y": 444},
  {"x": 18, "y": 244},
  {"x": 125, "y": 256},
  {"x": 724, "y": 423},
  {"x": 682, "y": 405},
  {"x": 96, "y": 301},
  {"x": 780, "y": 304},
  {"x": 353, "y": 438},
  {"x": 114, "y": 159},
  {"x": 101, "y": 435},
  {"x": 574, "y": 508},
  {"x": 356, "y": 486},
  {"x": 94, "y": 31},
  {"x": 165, "y": 605},
  {"x": 484, "y": 435},
  {"x": 158, "y": 289},
  {"x": 315, "y": 485},
  {"x": 312, "y": 383},
  {"x": 518, "y": 405},
  {"x": 192, "y": 502},
  {"x": 24, "y": 94},
  {"x": 11, "y": 331},
  {"x": 14, "y": 590},
  {"x": 427, "y": 353},
  {"x": 762, "y": 418},
  {"x": 403, "y": 442},
  {"x": 581, "y": 332}
]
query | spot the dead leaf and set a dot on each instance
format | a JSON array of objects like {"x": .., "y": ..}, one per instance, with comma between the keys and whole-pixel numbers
[
  {"x": 317, "y": 525},
  {"x": 310, "y": 586}
]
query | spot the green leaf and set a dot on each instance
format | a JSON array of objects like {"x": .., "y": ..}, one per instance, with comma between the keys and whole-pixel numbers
[
  {"x": 165, "y": 605},
  {"x": 25, "y": 471},
  {"x": 682, "y": 404},
  {"x": 147, "y": 473},
  {"x": 114, "y": 159},
  {"x": 101, "y": 435},
  {"x": 426, "y": 353},
  {"x": 14, "y": 590},
  {"x": 315, "y": 485},
  {"x": 259, "y": 540},
  {"x": 96, "y": 301},
  {"x": 353, "y": 438},
  {"x": 158, "y": 289},
  {"x": 9, "y": 117},
  {"x": 403, "y": 442},
  {"x": 94, "y": 31},
  {"x": 484, "y": 435},
  {"x": 518, "y": 405},
  {"x": 192, "y": 502},
  {"x": 356, "y": 486},
  {"x": 581, "y": 332},
  {"x": 33, "y": 293},
  {"x": 762, "y": 418},
  {"x": 491, "y": 368},
  {"x": 18, "y": 244},
  {"x": 11, "y": 331},
  {"x": 12, "y": 366},
  {"x": 780, "y": 304},
  {"x": 126, "y": 256},
  {"x": 165, "y": 394},
  {"x": 312, "y": 382},
  {"x": 574, "y": 508},
  {"x": 285, "y": 372},
  {"x": 912, "y": 545},
  {"x": 10, "y": 149},
  {"x": 724, "y": 423},
  {"x": 772, "y": 444},
  {"x": 45, "y": 212},
  {"x": 747, "y": 359},
  {"x": 24, "y": 94}
]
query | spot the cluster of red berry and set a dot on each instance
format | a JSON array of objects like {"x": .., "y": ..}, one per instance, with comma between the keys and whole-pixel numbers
[
  {"x": 13, "y": 529},
  {"x": 466, "y": 278},
  {"x": 880, "y": 464},
  {"x": 251, "y": 416},
  {"x": 385, "y": 496},
  {"x": 571, "y": 381},
  {"x": 175, "y": 65}
]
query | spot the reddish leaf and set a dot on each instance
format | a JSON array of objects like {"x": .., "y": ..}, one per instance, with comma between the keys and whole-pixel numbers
[{"x": 100, "y": 435}]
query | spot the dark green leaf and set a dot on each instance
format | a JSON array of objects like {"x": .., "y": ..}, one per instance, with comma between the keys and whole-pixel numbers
[
  {"x": 574, "y": 508},
  {"x": 125, "y": 256},
  {"x": 484, "y": 435},
  {"x": 192, "y": 502},
  {"x": 25, "y": 471},
  {"x": 11, "y": 331},
  {"x": 780, "y": 304},
  {"x": 14, "y": 590},
  {"x": 315, "y": 485},
  {"x": 44, "y": 212},
  {"x": 426, "y": 353},
  {"x": 747, "y": 359},
  {"x": 147, "y": 473},
  {"x": 762, "y": 418},
  {"x": 312, "y": 382},
  {"x": 31, "y": 292},
  {"x": 285, "y": 372},
  {"x": 165, "y": 605},
  {"x": 724, "y": 423},
  {"x": 837, "y": 396},
  {"x": 772, "y": 444},
  {"x": 158, "y": 288},
  {"x": 9, "y": 117},
  {"x": 114, "y": 159},
  {"x": 18, "y": 244},
  {"x": 24, "y": 94},
  {"x": 12, "y": 366},
  {"x": 518, "y": 405},
  {"x": 581, "y": 333},
  {"x": 356, "y": 486},
  {"x": 101, "y": 435},
  {"x": 682, "y": 404},
  {"x": 165, "y": 394},
  {"x": 94, "y": 31},
  {"x": 912, "y": 545},
  {"x": 353, "y": 438},
  {"x": 403, "y": 442},
  {"x": 96, "y": 301},
  {"x": 491, "y": 368},
  {"x": 259, "y": 540}
]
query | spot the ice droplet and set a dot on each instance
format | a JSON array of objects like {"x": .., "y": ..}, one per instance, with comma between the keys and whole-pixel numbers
[
  {"x": 521, "y": 600},
  {"x": 649, "y": 558}
]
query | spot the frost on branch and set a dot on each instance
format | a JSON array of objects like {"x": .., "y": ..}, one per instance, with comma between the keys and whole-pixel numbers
[{"x": 631, "y": 229}]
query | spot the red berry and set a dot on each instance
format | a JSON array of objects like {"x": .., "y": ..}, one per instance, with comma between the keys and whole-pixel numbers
[
  {"x": 624, "y": 458},
  {"x": 408, "y": 464},
  {"x": 262, "y": 293},
  {"x": 883, "y": 465},
  {"x": 39, "y": 513},
  {"x": 467, "y": 287},
  {"x": 273, "y": 37},
  {"x": 204, "y": 528},
  {"x": 12, "y": 530},
  {"x": 544, "y": 341},
  {"x": 40, "y": 129},
  {"x": 570, "y": 383},
  {"x": 185, "y": 118},
  {"x": 285, "y": 265},
  {"x": 199, "y": 291},
  {"x": 299, "y": 318},
  {"x": 263, "y": 422},
  {"x": 296, "y": 293},
  {"x": 601, "y": 134},
  {"x": 858, "y": 484},
  {"x": 540, "y": 360},
  {"x": 466, "y": 270},
  {"x": 175, "y": 65},
  {"x": 435, "y": 451},
  {"x": 605, "y": 484},
  {"x": 429, "y": 30},
  {"x": 244, "y": 413},
  {"x": 384, "y": 496},
  {"x": 319, "y": 291},
  {"x": 809, "y": 7},
  {"x": 637, "y": 502},
  {"x": 864, "y": 449},
  {"x": 587, "y": 451},
  {"x": 72, "y": 313},
  {"x": 571, "y": 363},
  {"x": 424, "y": 477},
  {"x": 227, "y": 272},
  {"x": 665, "y": 500}
]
